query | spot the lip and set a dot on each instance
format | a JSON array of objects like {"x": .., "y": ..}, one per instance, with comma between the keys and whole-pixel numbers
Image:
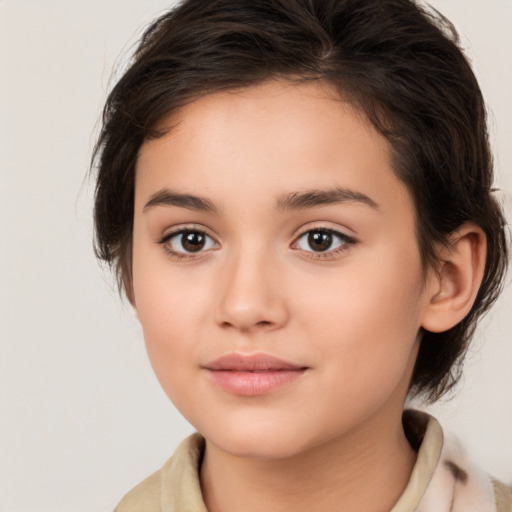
[{"x": 252, "y": 375}]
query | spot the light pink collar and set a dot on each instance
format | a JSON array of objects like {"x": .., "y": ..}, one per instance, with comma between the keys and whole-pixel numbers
[{"x": 443, "y": 478}]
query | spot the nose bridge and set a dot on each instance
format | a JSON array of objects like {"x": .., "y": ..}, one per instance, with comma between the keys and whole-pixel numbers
[{"x": 251, "y": 295}]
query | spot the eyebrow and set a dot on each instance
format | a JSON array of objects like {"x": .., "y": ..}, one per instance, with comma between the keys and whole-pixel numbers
[
  {"x": 315, "y": 198},
  {"x": 166, "y": 197},
  {"x": 291, "y": 201}
]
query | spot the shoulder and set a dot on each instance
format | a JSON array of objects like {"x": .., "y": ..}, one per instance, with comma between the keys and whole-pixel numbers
[
  {"x": 144, "y": 497},
  {"x": 503, "y": 495},
  {"x": 175, "y": 486}
]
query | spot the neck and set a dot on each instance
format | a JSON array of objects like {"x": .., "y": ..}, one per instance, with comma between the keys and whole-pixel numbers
[{"x": 367, "y": 469}]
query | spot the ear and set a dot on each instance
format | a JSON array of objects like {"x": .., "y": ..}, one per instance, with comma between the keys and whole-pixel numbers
[{"x": 453, "y": 286}]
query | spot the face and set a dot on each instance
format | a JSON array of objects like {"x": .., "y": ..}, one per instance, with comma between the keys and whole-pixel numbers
[{"x": 276, "y": 272}]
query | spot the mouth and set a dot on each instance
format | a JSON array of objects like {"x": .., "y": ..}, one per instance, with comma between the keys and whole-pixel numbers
[{"x": 253, "y": 375}]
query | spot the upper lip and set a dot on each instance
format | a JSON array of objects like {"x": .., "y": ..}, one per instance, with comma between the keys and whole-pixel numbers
[{"x": 253, "y": 362}]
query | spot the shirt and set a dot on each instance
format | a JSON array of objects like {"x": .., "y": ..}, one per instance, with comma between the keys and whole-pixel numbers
[{"x": 443, "y": 478}]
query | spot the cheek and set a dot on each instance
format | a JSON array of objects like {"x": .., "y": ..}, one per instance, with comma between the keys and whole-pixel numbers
[
  {"x": 366, "y": 319},
  {"x": 170, "y": 326},
  {"x": 172, "y": 308},
  {"x": 167, "y": 296}
]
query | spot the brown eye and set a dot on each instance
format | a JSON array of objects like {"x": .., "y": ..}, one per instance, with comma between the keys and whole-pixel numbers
[
  {"x": 323, "y": 241},
  {"x": 319, "y": 241},
  {"x": 193, "y": 241},
  {"x": 189, "y": 241}
]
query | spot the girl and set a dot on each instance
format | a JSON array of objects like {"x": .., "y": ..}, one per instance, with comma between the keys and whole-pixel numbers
[{"x": 296, "y": 197}]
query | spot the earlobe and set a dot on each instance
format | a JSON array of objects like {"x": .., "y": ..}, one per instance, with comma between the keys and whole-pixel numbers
[{"x": 455, "y": 284}]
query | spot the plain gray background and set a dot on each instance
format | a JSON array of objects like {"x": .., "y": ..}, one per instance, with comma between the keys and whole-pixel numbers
[{"x": 82, "y": 419}]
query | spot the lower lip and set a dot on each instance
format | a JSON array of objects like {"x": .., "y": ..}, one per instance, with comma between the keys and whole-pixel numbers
[{"x": 254, "y": 383}]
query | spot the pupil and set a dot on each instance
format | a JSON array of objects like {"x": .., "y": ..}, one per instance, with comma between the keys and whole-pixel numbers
[
  {"x": 193, "y": 242},
  {"x": 320, "y": 240}
]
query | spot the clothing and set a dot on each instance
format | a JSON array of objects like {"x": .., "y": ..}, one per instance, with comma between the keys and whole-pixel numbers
[{"x": 442, "y": 480}]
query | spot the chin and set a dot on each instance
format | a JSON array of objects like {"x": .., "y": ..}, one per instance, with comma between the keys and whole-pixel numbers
[
  {"x": 267, "y": 440},
  {"x": 258, "y": 447}
]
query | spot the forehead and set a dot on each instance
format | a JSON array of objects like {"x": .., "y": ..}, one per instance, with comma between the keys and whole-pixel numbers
[{"x": 274, "y": 138}]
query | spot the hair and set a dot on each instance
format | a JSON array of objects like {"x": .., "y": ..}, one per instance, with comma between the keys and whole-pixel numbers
[{"x": 395, "y": 61}]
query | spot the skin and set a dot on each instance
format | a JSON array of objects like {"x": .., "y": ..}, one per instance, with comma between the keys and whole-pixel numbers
[{"x": 350, "y": 315}]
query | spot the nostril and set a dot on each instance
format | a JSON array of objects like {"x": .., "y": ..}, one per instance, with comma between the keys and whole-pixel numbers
[{"x": 247, "y": 328}]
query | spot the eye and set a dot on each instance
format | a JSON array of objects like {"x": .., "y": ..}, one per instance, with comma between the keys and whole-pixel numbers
[
  {"x": 188, "y": 241},
  {"x": 323, "y": 241}
]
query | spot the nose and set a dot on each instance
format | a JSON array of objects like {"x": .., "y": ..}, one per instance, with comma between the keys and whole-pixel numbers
[{"x": 251, "y": 296}]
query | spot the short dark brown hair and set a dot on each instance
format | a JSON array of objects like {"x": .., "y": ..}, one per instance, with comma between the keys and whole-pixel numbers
[{"x": 398, "y": 63}]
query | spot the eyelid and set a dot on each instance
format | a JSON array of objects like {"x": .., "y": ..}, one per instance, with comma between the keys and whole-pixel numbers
[
  {"x": 325, "y": 226},
  {"x": 331, "y": 231},
  {"x": 180, "y": 228}
]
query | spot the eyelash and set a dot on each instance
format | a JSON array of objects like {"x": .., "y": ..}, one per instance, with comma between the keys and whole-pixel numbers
[{"x": 345, "y": 242}]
